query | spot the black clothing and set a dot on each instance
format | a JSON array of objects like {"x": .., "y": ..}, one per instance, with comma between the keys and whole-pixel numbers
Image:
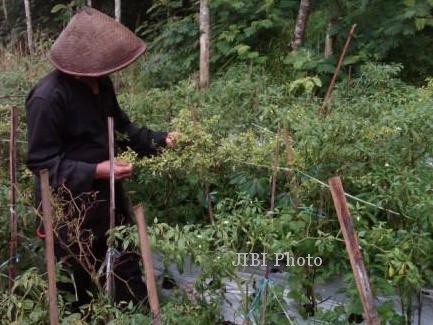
[{"x": 67, "y": 134}]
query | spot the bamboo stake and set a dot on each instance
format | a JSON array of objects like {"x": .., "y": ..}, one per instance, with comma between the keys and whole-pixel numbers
[
  {"x": 204, "y": 44},
  {"x": 209, "y": 203},
  {"x": 349, "y": 80},
  {"x": 110, "y": 262},
  {"x": 352, "y": 246},
  {"x": 12, "y": 96},
  {"x": 206, "y": 183},
  {"x": 146, "y": 255},
  {"x": 13, "y": 197},
  {"x": 271, "y": 209},
  {"x": 323, "y": 108},
  {"x": 289, "y": 159},
  {"x": 275, "y": 170},
  {"x": 49, "y": 245}
]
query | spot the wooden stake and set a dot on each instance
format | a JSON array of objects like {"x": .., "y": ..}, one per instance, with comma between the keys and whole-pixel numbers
[
  {"x": 323, "y": 108},
  {"x": 206, "y": 184},
  {"x": 110, "y": 262},
  {"x": 209, "y": 203},
  {"x": 49, "y": 245},
  {"x": 13, "y": 197},
  {"x": 289, "y": 159},
  {"x": 146, "y": 255},
  {"x": 275, "y": 170},
  {"x": 352, "y": 246},
  {"x": 204, "y": 44}
]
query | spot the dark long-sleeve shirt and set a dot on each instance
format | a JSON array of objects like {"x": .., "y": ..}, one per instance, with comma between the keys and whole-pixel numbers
[{"x": 67, "y": 134}]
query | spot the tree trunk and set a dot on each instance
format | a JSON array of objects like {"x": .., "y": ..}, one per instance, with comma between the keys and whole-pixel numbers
[
  {"x": 117, "y": 10},
  {"x": 204, "y": 44},
  {"x": 301, "y": 22},
  {"x": 29, "y": 26},
  {"x": 329, "y": 41},
  {"x": 89, "y": 3},
  {"x": 5, "y": 10}
]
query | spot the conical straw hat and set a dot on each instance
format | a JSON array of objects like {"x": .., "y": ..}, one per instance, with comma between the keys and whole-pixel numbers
[{"x": 94, "y": 44}]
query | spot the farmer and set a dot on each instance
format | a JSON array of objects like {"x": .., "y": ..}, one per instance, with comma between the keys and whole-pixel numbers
[{"x": 67, "y": 135}]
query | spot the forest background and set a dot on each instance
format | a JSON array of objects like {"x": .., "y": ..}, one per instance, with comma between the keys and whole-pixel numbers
[{"x": 265, "y": 93}]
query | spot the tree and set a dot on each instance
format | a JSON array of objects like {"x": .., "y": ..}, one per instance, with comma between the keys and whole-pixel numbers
[
  {"x": 204, "y": 44},
  {"x": 301, "y": 22},
  {"x": 117, "y": 10},
  {"x": 329, "y": 42},
  {"x": 29, "y": 25},
  {"x": 5, "y": 10}
]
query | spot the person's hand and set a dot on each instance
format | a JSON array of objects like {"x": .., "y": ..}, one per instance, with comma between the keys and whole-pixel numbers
[
  {"x": 170, "y": 140},
  {"x": 121, "y": 170}
]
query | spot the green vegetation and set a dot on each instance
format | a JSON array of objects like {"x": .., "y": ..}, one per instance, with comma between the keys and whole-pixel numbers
[{"x": 378, "y": 135}]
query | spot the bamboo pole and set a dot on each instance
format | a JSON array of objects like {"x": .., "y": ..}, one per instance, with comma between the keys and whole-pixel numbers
[
  {"x": 13, "y": 197},
  {"x": 275, "y": 170},
  {"x": 209, "y": 203},
  {"x": 110, "y": 262},
  {"x": 289, "y": 160},
  {"x": 204, "y": 44},
  {"x": 323, "y": 108},
  {"x": 12, "y": 96},
  {"x": 275, "y": 165},
  {"x": 352, "y": 246},
  {"x": 29, "y": 25},
  {"x": 206, "y": 183},
  {"x": 49, "y": 245},
  {"x": 146, "y": 255}
]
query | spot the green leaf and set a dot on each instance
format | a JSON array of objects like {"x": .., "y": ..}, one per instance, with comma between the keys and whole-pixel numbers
[
  {"x": 351, "y": 59},
  {"x": 242, "y": 49},
  {"x": 57, "y": 8},
  {"x": 409, "y": 3},
  {"x": 420, "y": 23}
]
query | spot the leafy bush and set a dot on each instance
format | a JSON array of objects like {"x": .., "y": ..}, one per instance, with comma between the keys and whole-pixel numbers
[{"x": 377, "y": 135}]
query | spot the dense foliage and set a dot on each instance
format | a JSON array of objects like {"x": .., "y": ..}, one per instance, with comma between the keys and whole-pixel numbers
[{"x": 377, "y": 135}]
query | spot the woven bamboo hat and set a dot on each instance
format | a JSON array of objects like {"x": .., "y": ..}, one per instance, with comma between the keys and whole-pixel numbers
[{"x": 94, "y": 44}]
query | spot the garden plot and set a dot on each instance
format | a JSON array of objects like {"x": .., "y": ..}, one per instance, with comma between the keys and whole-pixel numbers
[{"x": 233, "y": 307}]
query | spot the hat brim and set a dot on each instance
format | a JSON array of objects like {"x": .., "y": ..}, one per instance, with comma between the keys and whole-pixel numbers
[{"x": 135, "y": 55}]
